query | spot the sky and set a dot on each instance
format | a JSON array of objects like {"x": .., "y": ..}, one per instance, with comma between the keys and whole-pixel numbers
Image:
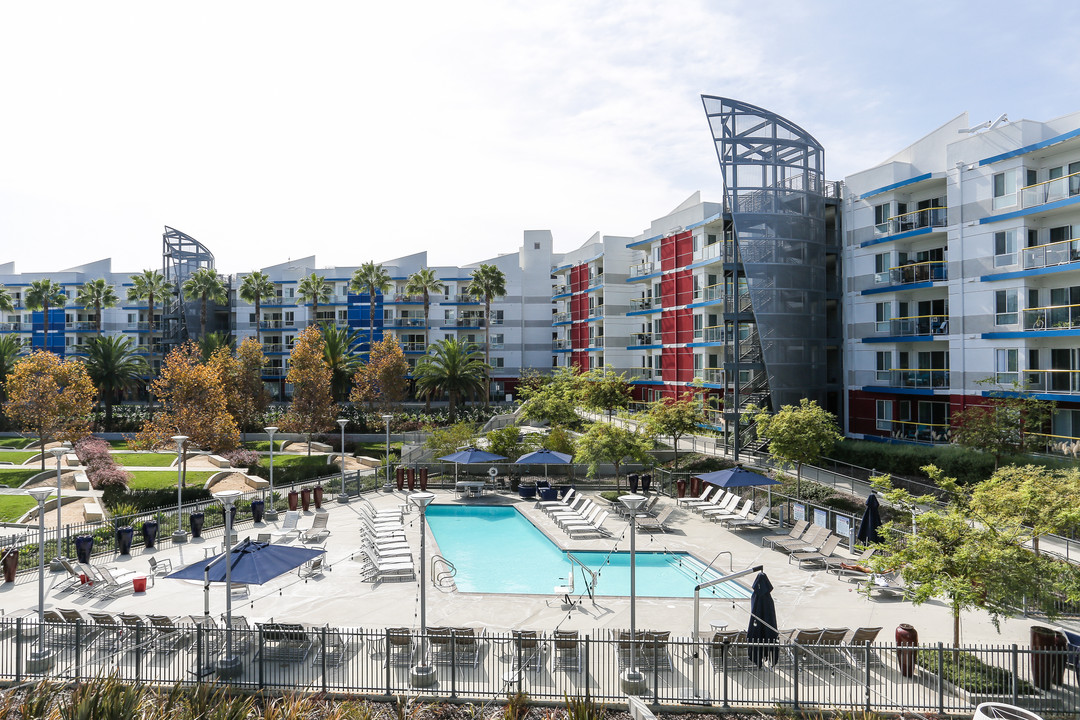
[{"x": 362, "y": 131}]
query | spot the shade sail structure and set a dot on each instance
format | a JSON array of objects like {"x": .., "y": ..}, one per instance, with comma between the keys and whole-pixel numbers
[
  {"x": 871, "y": 521},
  {"x": 253, "y": 563},
  {"x": 737, "y": 476},
  {"x": 471, "y": 455}
]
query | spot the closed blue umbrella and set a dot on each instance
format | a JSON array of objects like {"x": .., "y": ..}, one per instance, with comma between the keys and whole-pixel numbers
[
  {"x": 871, "y": 521},
  {"x": 544, "y": 457},
  {"x": 762, "y": 632}
]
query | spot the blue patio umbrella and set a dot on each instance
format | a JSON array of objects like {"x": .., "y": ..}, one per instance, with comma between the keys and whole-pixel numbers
[
  {"x": 544, "y": 457},
  {"x": 737, "y": 476},
  {"x": 253, "y": 563},
  {"x": 468, "y": 456},
  {"x": 762, "y": 631},
  {"x": 871, "y": 521}
]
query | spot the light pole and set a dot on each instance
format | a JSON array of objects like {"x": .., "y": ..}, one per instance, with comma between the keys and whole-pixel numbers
[
  {"x": 41, "y": 659},
  {"x": 343, "y": 497},
  {"x": 179, "y": 535},
  {"x": 229, "y": 666},
  {"x": 422, "y": 674},
  {"x": 271, "y": 513},
  {"x": 388, "y": 485},
  {"x": 633, "y": 680},
  {"x": 58, "y": 452}
]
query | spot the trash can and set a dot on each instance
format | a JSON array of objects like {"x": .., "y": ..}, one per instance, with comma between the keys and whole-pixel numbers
[
  {"x": 10, "y": 562},
  {"x": 124, "y": 536},
  {"x": 138, "y": 584},
  {"x": 84, "y": 545},
  {"x": 196, "y": 522},
  {"x": 149, "y": 533},
  {"x": 258, "y": 508}
]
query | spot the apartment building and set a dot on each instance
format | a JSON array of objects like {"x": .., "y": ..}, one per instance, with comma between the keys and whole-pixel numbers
[{"x": 963, "y": 253}]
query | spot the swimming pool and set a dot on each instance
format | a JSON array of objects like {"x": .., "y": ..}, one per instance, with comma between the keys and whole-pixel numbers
[{"x": 497, "y": 550}]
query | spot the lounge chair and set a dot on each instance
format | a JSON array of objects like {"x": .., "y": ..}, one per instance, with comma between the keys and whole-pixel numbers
[
  {"x": 549, "y": 505},
  {"x": 264, "y": 537},
  {"x": 796, "y": 532},
  {"x": 740, "y": 514},
  {"x": 318, "y": 531},
  {"x": 74, "y": 580},
  {"x": 818, "y": 557},
  {"x": 841, "y": 565},
  {"x": 332, "y": 645},
  {"x": 657, "y": 524},
  {"x": 812, "y": 540},
  {"x": 857, "y": 645},
  {"x": 760, "y": 519},
  {"x": 399, "y": 647},
  {"x": 567, "y": 654},
  {"x": 565, "y": 521},
  {"x": 729, "y": 646},
  {"x": 285, "y": 642},
  {"x": 798, "y": 640},
  {"x": 828, "y": 651},
  {"x": 885, "y": 584},
  {"x": 577, "y": 509},
  {"x": 159, "y": 568},
  {"x": 594, "y": 528},
  {"x": 721, "y": 502},
  {"x": 111, "y": 632},
  {"x": 312, "y": 567},
  {"x": 527, "y": 649},
  {"x": 168, "y": 636},
  {"x": 288, "y": 525},
  {"x": 111, "y": 585},
  {"x": 376, "y": 569},
  {"x": 628, "y": 648},
  {"x": 466, "y": 646},
  {"x": 654, "y": 650},
  {"x": 703, "y": 497},
  {"x": 645, "y": 511}
]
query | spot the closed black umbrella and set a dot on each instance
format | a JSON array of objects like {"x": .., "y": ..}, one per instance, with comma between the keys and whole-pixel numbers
[
  {"x": 871, "y": 521},
  {"x": 762, "y": 632}
]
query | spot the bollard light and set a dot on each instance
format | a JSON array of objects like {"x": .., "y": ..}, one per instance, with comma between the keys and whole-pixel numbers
[
  {"x": 179, "y": 535},
  {"x": 42, "y": 658},
  {"x": 422, "y": 674},
  {"x": 228, "y": 666},
  {"x": 271, "y": 513},
  {"x": 388, "y": 485},
  {"x": 632, "y": 679},
  {"x": 343, "y": 497},
  {"x": 58, "y": 452}
]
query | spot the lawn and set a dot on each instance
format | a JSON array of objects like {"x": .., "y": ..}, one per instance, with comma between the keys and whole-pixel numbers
[
  {"x": 15, "y": 478},
  {"x": 163, "y": 460},
  {"x": 154, "y": 480},
  {"x": 374, "y": 449},
  {"x": 15, "y": 442},
  {"x": 262, "y": 445},
  {"x": 12, "y": 507},
  {"x": 16, "y": 456}
]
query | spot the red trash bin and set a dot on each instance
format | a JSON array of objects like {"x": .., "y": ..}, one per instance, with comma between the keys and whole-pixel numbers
[{"x": 139, "y": 584}]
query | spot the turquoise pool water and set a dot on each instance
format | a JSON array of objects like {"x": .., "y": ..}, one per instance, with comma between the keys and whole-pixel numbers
[{"x": 497, "y": 550}]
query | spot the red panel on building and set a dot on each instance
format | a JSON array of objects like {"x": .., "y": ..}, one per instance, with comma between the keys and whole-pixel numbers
[
  {"x": 580, "y": 360},
  {"x": 670, "y": 372},
  {"x": 579, "y": 278},
  {"x": 667, "y": 253},
  {"x": 684, "y": 287},
  {"x": 579, "y": 307},
  {"x": 667, "y": 327},
  {"x": 684, "y": 248},
  {"x": 684, "y": 326},
  {"x": 667, "y": 291},
  {"x": 685, "y": 372}
]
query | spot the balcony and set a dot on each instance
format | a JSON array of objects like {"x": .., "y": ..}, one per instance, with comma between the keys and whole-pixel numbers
[
  {"x": 11, "y": 327},
  {"x": 403, "y": 322},
  {"x": 912, "y": 379},
  {"x": 713, "y": 333},
  {"x": 596, "y": 280},
  {"x": 915, "y": 220},
  {"x": 708, "y": 252},
  {"x": 638, "y": 304},
  {"x": 714, "y": 376},
  {"x": 275, "y": 372},
  {"x": 276, "y": 348},
  {"x": 414, "y": 347},
  {"x": 141, "y": 349},
  {"x": 1064, "y": 381},
  {"x": 143, "y": 326},
  {"x": 461, "y": 298},
  {"x": 1049, "y": 191},
  {"x": 640, "y": 339},
  {"x": 1052, "y": 317},
  {"x": 933, "y": 433},
  {"x": 709, "y": 293},
  {"x": 642, "y": 268},
  {"x": 81, "y": 326},
  {"x": 407, "y": 299},
  {"x": 278, "y": 300},
  {"x": 560, "y": 317},
  {"x": 276, "y": 324},
  {"x": 929, "y": 271},
  {"x": 641, "y": 374},
  {"x": 916, "y": 325},
  {"x": 559, "y": 290},
  {"x": 1058, "y": 253},
  {"x": 472, "y": 322},
  {"x": 560, "y": 344},
  {"x": 595, "y": 311}
]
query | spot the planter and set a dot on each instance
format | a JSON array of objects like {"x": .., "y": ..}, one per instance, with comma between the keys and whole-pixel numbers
[
  {"x": 196, "y": 522},
  {"x": 84, "y": 545},
  {"x": 317, "y": 496},
  {"x": 905, "y": 657},
  {"x": 549, "y": 494},
  {"x": 10, "y": 561},
  {"x": 294, "y": 499},
  {"x": 258, "y": 509},
  {"x": 124, "y": 536},
  {"x": 399, "y": 478},
  {"x": 527, "y": 491},
  {"x": 680, "y": 486},
  {"x": 423, "y": 479},
  {"x": 1047, "y": 657},
  {"x": 632, "y": 478},
  {"x": 305, "y": 498},
  {"x": 646, "y": 482},
  {"x": 695, "y": 486},
  {"x": 149, "y": 533},
  {"x": 411, "y": 478}
]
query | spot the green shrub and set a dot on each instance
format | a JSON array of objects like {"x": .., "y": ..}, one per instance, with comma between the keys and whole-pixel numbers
[
  {"x": 966, "y": 671},
  {"x": 966, "y": 465},
  {"x": 703, "y": 464}
]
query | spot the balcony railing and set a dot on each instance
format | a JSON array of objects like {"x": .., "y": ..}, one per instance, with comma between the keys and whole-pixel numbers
[
  {"x": 81, "y": 325},
  {"x": 929, "y": 271},
  {"x": 640, "y": 339},
  {"x": 596, "y": 280},
  {"x": 276, "y": 324},
  {"x": 915, "y": 220},
  {"x": 916, "y": 431},
  {"x": 560, "y": 317},
  {"x": 916, "y": 325},
  {"x": 1059, "y": 444},
  {"x": 146, "y": 326},
  {"x": 11, "y": 326},
  {"x": 1052, "y": 317},
  {"x": 640, "y": 304},
  {"x": 641, "y": 374},
  {"x": 275, "y": 371},
  {"x": 714, "y": 376},
  {"x": 145, "y": 349},
  {"x": 276, "y": 347},
  {"x": 461, "y": 298},
  {"x": 709, "y": 293},
  {"x": 922, "y": 378},
  {"x": 470, "y": 322},
  {"x": 708, "y": 252},
  {"x": 1050, "y": 191},
  {"x": 595, "y": 311},
  {"x": 559, "y": 290},
  {"x": 412, "y": 299},
  {"x": 278, "y": 300},
  {"x": 1057, "y": 253},
  {"x": 413, "y": 347},
  {"x": 401, "y": 322},
  {"x": 713, "y": 333},
  {"x": 560, "y": 344},
  {"x": 642, "y": 268}
]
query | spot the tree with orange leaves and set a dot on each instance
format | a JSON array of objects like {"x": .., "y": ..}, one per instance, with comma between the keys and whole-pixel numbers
[
  {"x": 312, "y": 407},
  {"x": 246, "y": 396},
  {"x": 50, "y": 397},
  {"x": 381, "y": 380},
  {"x": 193, "y": 402}
]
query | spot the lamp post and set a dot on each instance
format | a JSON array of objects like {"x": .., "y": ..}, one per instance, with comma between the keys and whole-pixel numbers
[
  {"x": 388, "y": 485},
  {"x": 58, "y": 452},
  {"x": 422, "y": 674},
  {"x": 179, "y": 535},
  {"x": 229, "y": 666},
  {"x": 271, "y": 512},
  {"x": 343, "y": 497},
  {"x": 42, "y": 658},
  {"x": 632, "y": 679}
]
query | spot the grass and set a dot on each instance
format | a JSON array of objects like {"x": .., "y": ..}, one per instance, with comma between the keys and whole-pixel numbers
[
  {"x": 262, "y": 445},
  {"x": 15, "y": 478},
  {"x": 16, "y": 456},
  {"x": 154, "y": 480},
  {"x": 374, "y": 449},
  {"x": 12, "y": 507},
  {"x": 15, "y": 442},
  {"x": 144, "y": 459},
  {"x": 119, "y": 444}
]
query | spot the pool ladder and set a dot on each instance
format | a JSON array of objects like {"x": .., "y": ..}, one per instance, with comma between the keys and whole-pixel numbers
[{"x": 442, "y": 573}]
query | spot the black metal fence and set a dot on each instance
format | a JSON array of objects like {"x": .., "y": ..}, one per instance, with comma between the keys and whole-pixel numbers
[{"x": 464, "y": 664}]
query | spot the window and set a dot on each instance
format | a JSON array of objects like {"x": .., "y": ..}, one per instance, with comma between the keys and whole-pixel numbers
[
  {"x": 882, "y": 263},
  {"x": 496, "y": 340},
  {"x": 1005, "y": 307},
  {"x": 1004, "y": 189},
  {"x": 884, "y": 365},
  {"x": 289, "y": 318},
  {"x": 883, "y": 415},
  {"x": 1006, "y": 363},
  {"x": 698, "y": 320},
  {"x": 882, "y": 213},
  {"x": 498, "y": 362},
  {"x": 1060, "y": 234},
  {"x": 883, "y": 316},
  {"x": 1005, "y": 248},
  {"x": 496, "y": 317},
  {"x": 536, "y": 246}
]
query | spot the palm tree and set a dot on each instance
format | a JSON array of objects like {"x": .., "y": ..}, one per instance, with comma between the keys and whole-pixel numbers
[
  {"x": 43, "y": 294},
  {"x": 341, "y": 357},
  {"x": 374, "y": 279},
  {"x": 10, "y": 349},
  {"x": 314, "y": 290},
  {"x": 210, "y": 342},
  {"x": 488, "y": 282},
  {"x": 450, "y": 367},
  {"x": 424, "y": 282},
  {"x": 113, "y": 367},
  {"x": 150, "y": 286},
  {"x": 255, "y": 288},
  {"x": 99, "y": 295},
  {"x": 6, "y": 304},
  {"x": 205, "y": 286}
]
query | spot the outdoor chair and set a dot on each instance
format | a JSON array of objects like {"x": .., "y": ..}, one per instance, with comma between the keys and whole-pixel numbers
[
  {"x": 828, "y": 650},
  {"x": 721, "y": 501},
  {"x": 285, "y": 642},
  {"x": 399, "y": 647},
  {"x": 654, "y": 650},
  {"x": 168, "y": 636},
  {"x": 288, "y": 525},
  {"x": 885, "y": 584},
  {"x": 819, "y": 556},
  {"x": 466, "y": 646},
  {"x": 159, "y": 567},
  {"x": 729, "y": 646},
  {"x": 564, "y": 521},
  {"x": 74, "y": 579},
  {"x": 111, "y": 585},
  {"x": 312, "y": 567},
  {"x": 760, "y": 519},
  {"x": 796, "y": 641},
  {"x": 438, "y": 639},
  {"x": 703, "y": 497},
  {"x": 796, "y": 532},
  {"x": 596, "y": 527},
  {"x": 549, "y": 505},
  {"x": 857, "y": 643},
  {"x": 331, "y": 645},
  {"x": 628, "y": 648},
  {"x": 657, "y": 524},
  {"x": 740, "y": 514},
  {"x": 850, "y": 567},
  {"x": 811, "y": 540},
  {"x": 110, "y": 631},
  {"x": 567, "y": 655},
  {"x": 526, "y": 650},
  {"x": 264, "y": 537},
  {"x": 318, "y": 531}
]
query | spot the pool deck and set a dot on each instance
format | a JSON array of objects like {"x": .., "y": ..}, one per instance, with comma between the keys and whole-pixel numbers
[{"x": 340, "y": 597}]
